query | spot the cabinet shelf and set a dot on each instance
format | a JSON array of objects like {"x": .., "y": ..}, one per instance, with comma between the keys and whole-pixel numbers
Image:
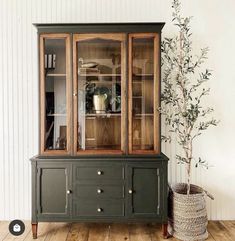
[
  {"x": 99, "y": 75},
  {"x": 56, "y": 75},
  {"x": 138, "y": 78},
  {"x": 109, "y": 82},
  {"x": 104, "y": 147},
  {"x": 56, "y": 114},
  {"x": 142, "y": 75},
  {"x": 140, "y": 115},
  {"x": 103, "y": 115}
]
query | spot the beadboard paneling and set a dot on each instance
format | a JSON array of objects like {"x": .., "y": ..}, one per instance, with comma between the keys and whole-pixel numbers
[{"x": 19, "y": 89}]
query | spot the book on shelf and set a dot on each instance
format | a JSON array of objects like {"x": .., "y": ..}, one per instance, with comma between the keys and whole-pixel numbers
[
  {"x": 50, "y": 61},
  {"x": 53, "y": 61}
]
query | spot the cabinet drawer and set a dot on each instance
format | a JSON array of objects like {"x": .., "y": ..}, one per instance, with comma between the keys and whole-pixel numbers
[
  {"x": 98, "y": 208},
  {"x": 99, "y": 172},
  {"x": 98, "y": 191}
]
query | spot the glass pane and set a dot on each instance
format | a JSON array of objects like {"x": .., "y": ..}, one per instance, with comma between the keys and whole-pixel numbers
[
  {"x": 99, "y": 94},
  {"x": 142, "y": 95},
  {"x": 55, "y": 85}
]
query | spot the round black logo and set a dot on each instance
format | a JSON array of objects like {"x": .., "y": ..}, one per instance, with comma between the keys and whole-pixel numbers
[{"x": 16, "y": 227}]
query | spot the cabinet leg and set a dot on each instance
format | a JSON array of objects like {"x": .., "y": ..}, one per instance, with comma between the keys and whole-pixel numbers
[
  {"x": 164, "y": 231},
  {"x": 34, "y": 230}
]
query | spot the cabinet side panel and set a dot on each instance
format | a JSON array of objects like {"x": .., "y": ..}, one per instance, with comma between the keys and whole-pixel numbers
[{"x": 157, "y": 94}]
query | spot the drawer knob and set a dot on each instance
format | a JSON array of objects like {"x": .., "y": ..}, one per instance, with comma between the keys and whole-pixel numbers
[
  {"x": 99, "y": 190},
  {"x": 99, "y": 173},
  {"x": 130, "y": 191},
  {"x": 99, "y": 210},
  {"x": 69, "y": 191}
]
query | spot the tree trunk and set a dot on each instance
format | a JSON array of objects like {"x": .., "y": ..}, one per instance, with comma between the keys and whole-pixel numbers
[
  {"x": 189, "y": 155},
  {"x": 189, "y": 178}
]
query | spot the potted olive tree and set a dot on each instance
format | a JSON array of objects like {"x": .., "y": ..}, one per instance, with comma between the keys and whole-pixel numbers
[{"x": 184, "y": 89}]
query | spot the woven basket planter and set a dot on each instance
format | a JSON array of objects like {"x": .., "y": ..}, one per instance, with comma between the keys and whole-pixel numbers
[{"x": 187, "y": 213}]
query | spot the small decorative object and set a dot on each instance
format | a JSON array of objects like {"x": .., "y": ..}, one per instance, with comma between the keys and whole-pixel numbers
[
  {"x": 115, "y": 100},
  {"x": 187, "y": 118},
  {"x": 100, "y": 99},
  {"x": 50, "y": 61},
  {"x": 116, "y": 103},
  {"x": 89, "y": 90},
  {"x": 100, "y": 103},
  {"x": 88, "y": 67},
  {"x": 62, "y": 141}
]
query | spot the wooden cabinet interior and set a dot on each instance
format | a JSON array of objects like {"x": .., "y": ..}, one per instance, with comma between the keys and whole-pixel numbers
[{"x": 100, "y": 97}]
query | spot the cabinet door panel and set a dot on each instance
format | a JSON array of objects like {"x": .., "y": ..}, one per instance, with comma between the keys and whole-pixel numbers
[
  {"x": 99, "y": 88},
  {"x": 144, "y": 92},
  {"x": 52, "y": 191},
  {"x": 55, "y": 93},
  {"x": 144, "y": 193}
]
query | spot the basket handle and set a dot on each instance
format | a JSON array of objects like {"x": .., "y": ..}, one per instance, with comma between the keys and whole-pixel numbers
[{"x": 208, "y": 194}]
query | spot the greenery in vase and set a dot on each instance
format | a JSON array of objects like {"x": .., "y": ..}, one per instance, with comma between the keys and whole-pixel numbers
[
  {"x": 183, "y": 91},
  {"x": 92, "y": 89}
]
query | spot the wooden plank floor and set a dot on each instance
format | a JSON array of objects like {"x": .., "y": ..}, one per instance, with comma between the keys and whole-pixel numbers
[{"x": 218, "y": 231}]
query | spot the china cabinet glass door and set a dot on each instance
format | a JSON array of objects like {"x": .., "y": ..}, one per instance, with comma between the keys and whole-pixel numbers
[
  {"x": 55, "y": 97},
  {"x": 99, "y": 90},
  {"x": 144, "y": 136}
]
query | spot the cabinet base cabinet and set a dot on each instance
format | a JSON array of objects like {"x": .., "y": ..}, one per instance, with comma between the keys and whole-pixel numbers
[{"x": 109, "y": 189}]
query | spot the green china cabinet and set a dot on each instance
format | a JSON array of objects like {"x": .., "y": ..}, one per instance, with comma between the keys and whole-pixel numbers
[{"x": 100, "y": 154}]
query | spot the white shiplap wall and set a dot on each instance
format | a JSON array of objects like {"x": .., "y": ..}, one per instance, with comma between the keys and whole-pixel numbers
[{"x": 213, "y": 25}]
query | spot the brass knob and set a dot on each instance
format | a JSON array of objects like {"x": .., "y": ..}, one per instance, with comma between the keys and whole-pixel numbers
[
  {"x": 130, "y": 191},
  {"x": 69, "y": 191},
  {"x": 99, "y": 210},
  {"x": 99, "y": 191},
  {"x": 99, "y": 173}
]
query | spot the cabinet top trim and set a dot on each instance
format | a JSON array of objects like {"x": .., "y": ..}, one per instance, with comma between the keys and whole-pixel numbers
[
  {"x": 119, "y": 158},
  {"x": 100, "y": 27}
]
